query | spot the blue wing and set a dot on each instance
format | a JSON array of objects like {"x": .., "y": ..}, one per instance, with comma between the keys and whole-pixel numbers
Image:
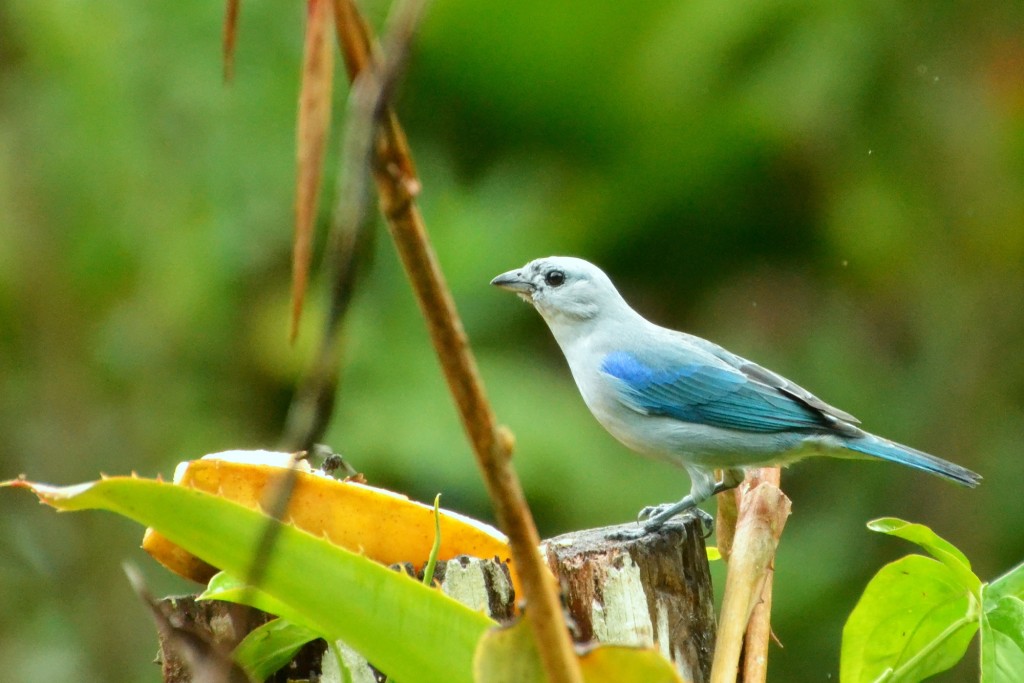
[{"x": 714, "y": 394}]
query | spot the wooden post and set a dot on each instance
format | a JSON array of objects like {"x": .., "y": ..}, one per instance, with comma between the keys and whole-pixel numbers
[{"x": 653, "y": 590}]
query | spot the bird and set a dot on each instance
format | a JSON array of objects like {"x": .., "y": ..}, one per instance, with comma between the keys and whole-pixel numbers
[{"x": 679, "y": 398}]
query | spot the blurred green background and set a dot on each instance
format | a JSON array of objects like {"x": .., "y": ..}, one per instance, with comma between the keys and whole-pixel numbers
[{"x": 835, "y": 190}]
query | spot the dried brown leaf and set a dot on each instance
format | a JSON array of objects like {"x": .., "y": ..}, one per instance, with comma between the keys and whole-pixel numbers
[
  {"x": 353, "y": 37},
  {"x": 314, "y": 121},
  {"x": 230, "y": 33}
]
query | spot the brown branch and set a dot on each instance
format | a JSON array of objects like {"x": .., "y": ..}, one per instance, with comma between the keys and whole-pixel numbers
[
  {"x": 759, "y": 630},
  {"x": 762, "y": 513},
  {"x": 397, "y": 186}
]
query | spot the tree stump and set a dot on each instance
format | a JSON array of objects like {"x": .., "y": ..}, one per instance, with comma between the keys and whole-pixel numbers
[
  {"x": 655, "y": 590},
  {"x": 197, "y": 637},
  {"x": 198, "y": 631}
]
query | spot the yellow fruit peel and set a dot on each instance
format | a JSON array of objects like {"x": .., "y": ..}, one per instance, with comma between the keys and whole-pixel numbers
[{"x": 382, "y": 525}]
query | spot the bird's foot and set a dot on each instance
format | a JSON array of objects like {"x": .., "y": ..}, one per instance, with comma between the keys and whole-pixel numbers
[
  {"x": 641, "y": 530},
  {"x": 654, "y": 516}
]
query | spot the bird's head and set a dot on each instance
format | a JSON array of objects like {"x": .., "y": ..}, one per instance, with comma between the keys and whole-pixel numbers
[{"x": 563, "y": 289}]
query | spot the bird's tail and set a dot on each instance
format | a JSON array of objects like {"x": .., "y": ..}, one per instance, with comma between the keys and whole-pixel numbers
[{"x": 869, "y": 444}]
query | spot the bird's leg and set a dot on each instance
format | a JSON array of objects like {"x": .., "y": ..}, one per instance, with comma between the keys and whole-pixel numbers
[
  {"x": 701, "y": 488},
  {"x": 730, "y": 480},
  {"x": 704, "y": 486}
]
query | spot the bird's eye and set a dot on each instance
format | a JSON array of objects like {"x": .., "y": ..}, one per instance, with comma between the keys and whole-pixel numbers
[{"x": 554, "y": 278}]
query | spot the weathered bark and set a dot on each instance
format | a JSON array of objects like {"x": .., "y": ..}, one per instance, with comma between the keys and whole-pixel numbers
[
  {"x": 198, "y": 633},
  {"x": 653, "y": 590}
]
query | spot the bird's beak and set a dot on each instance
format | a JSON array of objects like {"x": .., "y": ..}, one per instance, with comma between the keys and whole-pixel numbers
[{"x": 514, "y": 281}]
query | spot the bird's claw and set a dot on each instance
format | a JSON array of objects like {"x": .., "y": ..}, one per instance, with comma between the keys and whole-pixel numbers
[
  {"x": 653, "y": 518},
  {"x": 707, "y": 522},
  {"x": 653, "y": 511}
]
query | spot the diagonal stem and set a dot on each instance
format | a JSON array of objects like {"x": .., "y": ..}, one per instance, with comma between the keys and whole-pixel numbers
[{"x": 397, "y": 185}]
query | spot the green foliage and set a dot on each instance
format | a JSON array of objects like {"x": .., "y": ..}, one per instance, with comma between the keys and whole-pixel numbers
[
  {"x": 1010, "y": 584},
  {"x": 1002, "y": 628},
  {"x": 938, "y": 547},
  {"x": 918, "y": 615},
  {"x": 1002, "y": 641},
  {"x": 224, "y": 586},
  {"x": 428, "y": 569},
  {"x": 508, "y": 655},
  {"x": 337, "y": 593},
  {"x": 271, "y": 646},
  {"x": 914, "y": 619}
]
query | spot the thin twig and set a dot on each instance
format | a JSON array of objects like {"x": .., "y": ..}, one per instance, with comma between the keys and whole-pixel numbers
[{"x": 397, "y": 186}]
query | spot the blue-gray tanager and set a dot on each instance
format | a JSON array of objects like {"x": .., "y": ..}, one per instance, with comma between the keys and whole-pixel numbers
[{"x": 680, "y": 398}]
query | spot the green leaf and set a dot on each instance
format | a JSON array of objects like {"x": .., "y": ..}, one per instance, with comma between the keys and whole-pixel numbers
[
  {"x": 626, "y": 664},
  {"x": 509, "y": 655},
  {"x": 271, "y": 646},
  {"x": 428, "y": 570},
  {"x": 938, "y": 547},
  {"x": 914, "y": 619},
  {"x": 1002, "y": 641},
  {"x": 1010, "y": 583},
  {"x": 226, "y": 587},
  {"x": 410, "y": 631}
]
